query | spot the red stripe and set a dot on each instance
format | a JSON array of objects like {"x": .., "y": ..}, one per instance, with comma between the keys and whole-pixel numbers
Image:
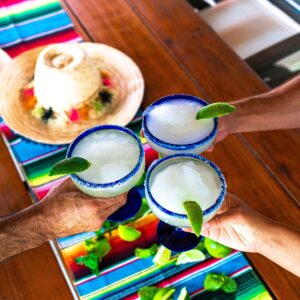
[
  {"x": 7, "y": 132},
  {"x": 57, "y": 37},
  {"x": 4, "y": 3}
]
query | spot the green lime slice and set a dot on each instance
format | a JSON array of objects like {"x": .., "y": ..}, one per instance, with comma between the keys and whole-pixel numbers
[
  {"x": 195, "y": 215},
  {"x": 215, "y": 110},
  {"x": 128, "y": 234},
  {"x": 190, "y": 256},
  {"x": 183, "y": 295},
  {"x": 216, "y": 249},
  {"x": 162, "y": 256},
  {"x": 70, "y": 166},
  {"x": 144, "y": 253},
  {"x": 164, "y": 293}
]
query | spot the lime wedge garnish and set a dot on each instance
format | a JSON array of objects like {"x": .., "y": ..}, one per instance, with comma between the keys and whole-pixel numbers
[
  {"x": 190, "y": 256},
  {"x": 144, "y": 253},
  {"x": 183, "y": 295},
  {"x": 195, "y": 215},
  {"x": 162, "y": 256},
  {"x": 215, "y": 110},
  {"x": 128, "y": 234},
  {"x": 70, "y": 166},
  {"x": 164, "y": 294}
]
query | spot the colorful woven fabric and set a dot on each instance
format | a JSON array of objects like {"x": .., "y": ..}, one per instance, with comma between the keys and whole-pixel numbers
[{"x": 27, "y": 24}]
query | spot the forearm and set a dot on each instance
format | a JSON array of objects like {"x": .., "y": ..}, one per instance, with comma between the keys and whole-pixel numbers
[
  {"x": 22, "y": 231},
  {"x": 281, "y": 244},
  {"x": 277, "y": 109}
]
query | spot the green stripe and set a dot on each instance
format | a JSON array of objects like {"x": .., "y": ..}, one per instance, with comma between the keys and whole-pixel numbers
[
  {"x": 30, "y": 13},
  {"x": 40, "y": 170}
]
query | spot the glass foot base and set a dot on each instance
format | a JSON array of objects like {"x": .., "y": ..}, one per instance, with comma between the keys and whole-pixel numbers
[
  {"x": 130, "y": 209},
  {"x": 175, "y": 238}
]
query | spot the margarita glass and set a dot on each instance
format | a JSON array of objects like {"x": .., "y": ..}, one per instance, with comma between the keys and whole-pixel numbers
[
  {"x": 170, "y": 125},
  {"x": 117, "y": 163},
  {"x": 175, "y": 179}
]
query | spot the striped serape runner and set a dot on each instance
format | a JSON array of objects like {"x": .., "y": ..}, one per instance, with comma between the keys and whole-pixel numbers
[{"x": 28, "y": 24}]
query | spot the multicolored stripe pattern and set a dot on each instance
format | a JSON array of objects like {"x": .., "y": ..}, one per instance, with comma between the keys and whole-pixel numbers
[{"x": 28, "y": 24}]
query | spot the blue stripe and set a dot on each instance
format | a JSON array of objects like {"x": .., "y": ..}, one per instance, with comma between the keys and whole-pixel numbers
[
  {"x": 28, "y": 149},
  {"x": 29, "y": 30}
]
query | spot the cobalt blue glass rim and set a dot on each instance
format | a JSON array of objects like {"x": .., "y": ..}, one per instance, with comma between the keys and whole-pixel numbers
[
  {"x": 167, "y": 145},
  {"x": 206, "y": 212},
  {"x": 89, "y": 131}
]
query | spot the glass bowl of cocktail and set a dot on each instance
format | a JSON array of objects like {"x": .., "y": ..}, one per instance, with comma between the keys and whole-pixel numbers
[
  {"x": 182, "y": 124},
  {"x": 106, "y": 161},
  {"x": 183, "y": 191}
]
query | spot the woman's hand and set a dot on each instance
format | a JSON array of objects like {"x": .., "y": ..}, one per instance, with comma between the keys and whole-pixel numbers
[
  {"x": 237, "y": 226},
  {"x": 67, "y": 211}
]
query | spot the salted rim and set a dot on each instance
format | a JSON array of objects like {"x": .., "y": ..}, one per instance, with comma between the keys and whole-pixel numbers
[
  {"x": 86, "y": 133},
  {"x": 171, "y": 146}
]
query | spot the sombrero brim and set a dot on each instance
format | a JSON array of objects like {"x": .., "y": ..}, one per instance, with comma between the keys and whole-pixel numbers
[
  {"x": 127, "y": 78},
  {"x": 4, "y": 59}
]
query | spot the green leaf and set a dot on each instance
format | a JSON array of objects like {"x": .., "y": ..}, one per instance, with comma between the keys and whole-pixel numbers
[
  {"x": 90, "y": 261},
  {"x": 99, "y": 248},
  {"x": 70, "y": 166},
  {"x": 213, "y": 282},
  {"x": 38, "y": 112},
  {"x": 144, "y": 253},
  {"x": 128, "y": 234},
  {"x": 155, "y": 293},
  {"x": 147, "y": 292},
  {"x": 97, "y": 105},
  {"x": 230, "y": 285},
  {"x": 164, "y": 293},
  {"x": 195, "y": 215},
  {"x": 215, "y": 110}
]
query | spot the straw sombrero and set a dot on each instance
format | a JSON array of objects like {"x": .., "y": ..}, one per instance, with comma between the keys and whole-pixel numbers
[
  {"x": 4, "y": 59},
  {"x": 127, "y": 81}
]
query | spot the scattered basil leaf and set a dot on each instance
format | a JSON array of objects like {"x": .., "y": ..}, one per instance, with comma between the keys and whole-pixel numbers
[
  {"x": 147, "y": 292},
  {"x": 90, "y": 261},
  {"x": 230, "y": 286},
  {"x": 213, "y": 282}
]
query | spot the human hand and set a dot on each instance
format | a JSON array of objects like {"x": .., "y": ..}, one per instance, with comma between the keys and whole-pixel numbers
[
  {"x": 224, "y": 129},
  {"x": 237, "y": 226},
  {"x": 67, "y": 211}
]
